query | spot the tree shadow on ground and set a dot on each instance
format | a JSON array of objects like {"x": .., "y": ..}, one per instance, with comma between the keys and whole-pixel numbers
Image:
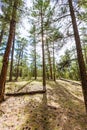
[
  {"x": 58, "y": 109},
  {"x": 75, "y": 116},
  {"x": 39, "y": 116}
]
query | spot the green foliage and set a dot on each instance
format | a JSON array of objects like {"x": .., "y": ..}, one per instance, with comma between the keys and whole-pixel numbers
[
  {"x": 83, "y": 3},
  {"x": 68, "y": 67},
  {"x": 52, "y": 32}
]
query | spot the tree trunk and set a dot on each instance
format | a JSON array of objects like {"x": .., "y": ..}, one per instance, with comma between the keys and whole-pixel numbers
[
  {"x": 35, "y": 62},
  {"x": 17, "y": 73},
  {"x": 47, "y": 73},
  {"x": 35, "y": 65},
  {"x": 49, "y": 59},
  {"x": 7, "y": 52},
  {"x": 54, "y": 73},
  {"x": 43, "y": 53},
  {"x": 12, "y": 55},
  {"x": 85, "y": 54},
  {"x": 1, "y": 36},
  {"x": 79, "y": 54},
  {"x": 35, "y": 55},
  {"x": 21, "y": 71}
]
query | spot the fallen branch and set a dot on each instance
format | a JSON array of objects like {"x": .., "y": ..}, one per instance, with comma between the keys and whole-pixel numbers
[
  {"x": 24, "y": 86},
  {"x": 26, "y": 93}
]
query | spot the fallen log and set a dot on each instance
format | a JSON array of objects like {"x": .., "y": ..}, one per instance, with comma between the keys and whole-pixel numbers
[
  {"x": 24, "y": 86},
  {"x": 26, "y": 93},
  {"x": 71, "y": 81}
]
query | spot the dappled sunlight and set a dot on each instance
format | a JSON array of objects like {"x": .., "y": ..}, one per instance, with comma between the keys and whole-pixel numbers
[
  {"x": 43, "y": 65},
  {"x": 12, "y": 115},
  {"x": 40, "y": 115},
  {"x": 74, "y": 89},
  {"x": 73, "y": 106},
  {"x": 14, "y": 86},
  {"x": 58, "y": 109}
]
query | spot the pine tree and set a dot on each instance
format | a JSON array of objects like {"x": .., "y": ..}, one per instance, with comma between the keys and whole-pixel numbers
[
  {"x": 79, "y": 53},
  {"x": 16, "y": 3}
]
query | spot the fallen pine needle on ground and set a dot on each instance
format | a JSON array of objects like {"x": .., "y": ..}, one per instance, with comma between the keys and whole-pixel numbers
[{"x": 60, "y": 108}]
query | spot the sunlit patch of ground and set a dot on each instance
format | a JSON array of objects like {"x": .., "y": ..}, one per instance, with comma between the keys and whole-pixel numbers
[
  {"x": 14, "y": 86},
  {"x": 61, "y": 108}
]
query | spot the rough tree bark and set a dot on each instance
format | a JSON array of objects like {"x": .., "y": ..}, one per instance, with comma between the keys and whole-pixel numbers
[
  {"x": 79, "y": 53},
  {"x": 7, "y": 51}
]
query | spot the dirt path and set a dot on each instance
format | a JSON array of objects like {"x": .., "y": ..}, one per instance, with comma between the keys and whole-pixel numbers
[{"x": 61, "y": 108}]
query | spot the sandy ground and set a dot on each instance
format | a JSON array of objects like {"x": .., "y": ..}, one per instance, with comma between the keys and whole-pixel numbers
[{"x": 61, "y": 108}]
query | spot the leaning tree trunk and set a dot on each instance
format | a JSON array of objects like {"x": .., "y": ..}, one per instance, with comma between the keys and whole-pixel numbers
[
  {"x": 79, "y": 54},
  {"x": 7, "y": 52},
  {"x": 43, "y": 53}
]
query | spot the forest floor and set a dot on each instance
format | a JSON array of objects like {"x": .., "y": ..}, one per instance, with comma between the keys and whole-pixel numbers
[{"x": 60, "y": 108}]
